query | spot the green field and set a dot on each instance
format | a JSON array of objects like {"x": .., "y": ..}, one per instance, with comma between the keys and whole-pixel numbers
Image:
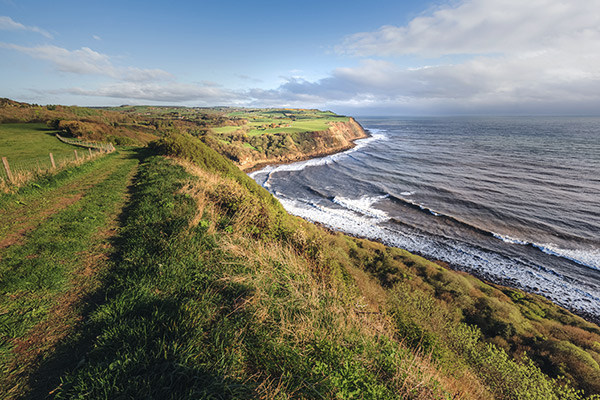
[
  {"x": 226, "y": 129},
  {"x": 260, "y": 124},
  {"x": 24, "y": 142}
]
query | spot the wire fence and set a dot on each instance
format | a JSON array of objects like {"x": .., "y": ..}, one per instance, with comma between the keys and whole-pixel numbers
[
  {"x": 107, "y": 147},
  {"x": 17, "y": 172}
]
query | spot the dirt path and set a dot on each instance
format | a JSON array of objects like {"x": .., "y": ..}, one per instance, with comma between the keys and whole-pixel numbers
[
  {"x": 39, "y": 342},
  {"x": 24, "y": 215}
]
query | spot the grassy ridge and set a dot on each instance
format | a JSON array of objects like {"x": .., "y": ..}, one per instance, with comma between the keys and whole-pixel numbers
[
  {"x": 205, "y": 302},
  {"x": 189, "y": 315}
]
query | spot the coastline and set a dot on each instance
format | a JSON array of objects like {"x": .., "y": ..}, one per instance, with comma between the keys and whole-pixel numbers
[
  {"x": 497, "y": 283},
  {"x": 263, "y": 164},
  {"x": 283, "y": 160},
  {"x": 500, "y": 285}
]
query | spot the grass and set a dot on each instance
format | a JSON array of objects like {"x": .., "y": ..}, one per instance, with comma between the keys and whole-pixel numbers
[
  {"x": 194, "y": 311},
  {"x": 23, "y": 142},
  {"x": 295, "y": 126},
  {"x": 258, "y": 127},
  {"x": 27, "y": 148},
  {"x": 225, "y": 129},
  {"x": 50, "y": 266}
]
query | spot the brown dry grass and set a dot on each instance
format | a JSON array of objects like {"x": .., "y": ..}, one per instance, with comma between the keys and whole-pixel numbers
[{"x": 336, "y": 308}]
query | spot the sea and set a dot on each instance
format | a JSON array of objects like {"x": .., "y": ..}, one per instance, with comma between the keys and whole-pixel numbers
[{"x": 512, "y": 200}]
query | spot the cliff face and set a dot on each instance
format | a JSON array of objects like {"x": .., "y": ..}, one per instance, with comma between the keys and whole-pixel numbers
[{"x": 338, "y": 137}]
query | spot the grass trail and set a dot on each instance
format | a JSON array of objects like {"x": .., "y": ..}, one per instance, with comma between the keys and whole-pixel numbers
[
  {"x": 48, "y": 274},
  {"x": 38, "y": 201}
]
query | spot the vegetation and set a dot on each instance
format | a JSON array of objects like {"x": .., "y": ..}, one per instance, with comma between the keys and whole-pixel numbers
[
  {"x": 27, "y": 148},
  {"x": 246, "y": 136},
  {"x": 25, "y": 142},
  {"x": 84, "y": 123},
  {"x": 188, "y": 280},
  {"x": 53, "y": 233}
]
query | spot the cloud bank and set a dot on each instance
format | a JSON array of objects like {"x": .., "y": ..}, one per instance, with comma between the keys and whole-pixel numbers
[
  {"x": 540, "y": 56},
  {"x": 87, "y": 61}
]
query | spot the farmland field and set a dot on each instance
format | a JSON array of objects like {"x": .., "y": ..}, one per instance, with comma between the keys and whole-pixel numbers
[{"x": 22, "y": 142}]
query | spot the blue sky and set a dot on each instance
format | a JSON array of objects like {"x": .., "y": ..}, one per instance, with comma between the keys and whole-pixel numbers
[{"x": 360, "y": 58}]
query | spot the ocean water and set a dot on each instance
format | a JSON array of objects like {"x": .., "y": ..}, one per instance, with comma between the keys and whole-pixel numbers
[{"x": 513, "y": 200}]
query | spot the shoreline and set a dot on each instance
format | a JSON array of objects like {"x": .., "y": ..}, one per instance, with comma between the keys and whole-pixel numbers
[
  {"x": 498, "y": 283},
  {"x": 303, "y": 157},
  {"x": 591, "y": 318}
]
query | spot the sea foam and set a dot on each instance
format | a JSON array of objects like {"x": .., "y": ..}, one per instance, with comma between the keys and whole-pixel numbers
[
  {"x": 486, "y": 264},
  {"x": 587, "y": 258},
  {"x": 363, "y": 205}
]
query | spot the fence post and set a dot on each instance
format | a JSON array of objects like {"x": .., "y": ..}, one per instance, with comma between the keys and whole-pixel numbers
[
  {"x": 52, "y": 161},
  {"x": 90, "y": 151},
  {"x": 7, "y": 168},
  {"x": 76, "y": 156}
]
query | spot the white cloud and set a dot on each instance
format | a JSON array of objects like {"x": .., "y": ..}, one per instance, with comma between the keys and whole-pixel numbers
[
  {"x": 8, "y": 24},
  {"x": 208, "y": 94},
  {"x": 484, "y": 27},
  {"x": 96, "y": 37},
  {"x": 540, "y": 56},
  {"x": 88, "y": 61}
]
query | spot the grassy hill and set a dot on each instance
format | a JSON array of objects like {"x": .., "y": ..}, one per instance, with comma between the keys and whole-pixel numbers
[
  {"x": 165, "y": 272},
  {"x": 248, "y": 136}
]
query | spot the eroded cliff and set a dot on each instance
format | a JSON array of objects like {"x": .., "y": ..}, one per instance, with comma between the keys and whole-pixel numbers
[{"x": 300, "y": 146}]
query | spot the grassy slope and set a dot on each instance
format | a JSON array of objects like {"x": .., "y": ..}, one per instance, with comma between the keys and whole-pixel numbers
[{"x": 214, "y": 291}]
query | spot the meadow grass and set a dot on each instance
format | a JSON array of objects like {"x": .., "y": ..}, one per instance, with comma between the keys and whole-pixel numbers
[
  {"x": 225, "y": 129},
  {"x": 23, "y": 142}
]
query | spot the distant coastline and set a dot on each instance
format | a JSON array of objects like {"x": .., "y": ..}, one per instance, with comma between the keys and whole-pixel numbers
[{"x": 345, "y": 134}]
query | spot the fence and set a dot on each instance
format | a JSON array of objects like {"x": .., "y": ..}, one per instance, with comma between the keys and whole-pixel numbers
[
  {"x": 107, "y": 147},
  {"x": 18, "y": 172}
]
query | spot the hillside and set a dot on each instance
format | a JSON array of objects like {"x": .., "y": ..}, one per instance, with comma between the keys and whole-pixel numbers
[
  {"x": 248, "y": 136},
  {"x": 166, "y": 272},
  {"x": 252, "y": 137}
]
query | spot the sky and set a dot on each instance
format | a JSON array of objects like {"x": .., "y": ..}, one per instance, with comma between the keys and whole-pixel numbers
[{"x": 439, "y": 57}]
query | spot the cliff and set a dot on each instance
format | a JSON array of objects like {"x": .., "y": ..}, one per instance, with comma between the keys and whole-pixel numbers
[{"x": 338, "y": 137}]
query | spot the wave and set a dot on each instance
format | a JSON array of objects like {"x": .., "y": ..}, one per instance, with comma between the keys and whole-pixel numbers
[
  {"x": 486, "y": 264},
  {"x": 587, "y": 258},
  {"x": 418, "y": 206},
  {"x": 363, "y": 205},
  {"x": 509, "y": 239}
]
